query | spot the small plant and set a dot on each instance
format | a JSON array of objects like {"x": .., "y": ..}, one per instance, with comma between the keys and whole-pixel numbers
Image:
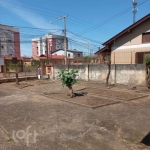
[{"x": 68, "y": 78}]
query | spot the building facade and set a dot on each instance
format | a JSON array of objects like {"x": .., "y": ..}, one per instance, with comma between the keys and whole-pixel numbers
[
  {"x": 48, "y": 42},
  {"x": 131, "y": 45},
  {"x": 9, "y": 41},
  {"x": 70, "y": 53}
]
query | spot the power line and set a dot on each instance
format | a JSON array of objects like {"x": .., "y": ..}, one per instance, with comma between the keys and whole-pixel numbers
[
  {"x": 47, "y": 13},
  {"x": 111, "y": 18}
]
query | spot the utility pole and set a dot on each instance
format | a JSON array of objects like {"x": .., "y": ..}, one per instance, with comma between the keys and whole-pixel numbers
[
  {"x": 89, "y": 53},
  {"x": 65, "y": 49},
  {"x": 47, "y": 60}
]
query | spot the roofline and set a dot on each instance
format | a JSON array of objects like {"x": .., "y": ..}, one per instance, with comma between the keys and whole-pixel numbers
[
  {"x": 49, "y": 36},
  {"x": 10, "y": 28},
  {"x": 127, "y": 29},
  {"x": 101, "y": 50}
]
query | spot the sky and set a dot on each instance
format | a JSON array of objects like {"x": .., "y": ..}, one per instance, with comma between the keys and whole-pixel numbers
[{"x": 89, "y": 22}]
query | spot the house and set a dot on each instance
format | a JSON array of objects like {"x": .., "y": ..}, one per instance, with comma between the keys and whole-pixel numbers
[
  {"x": 70, "y": 53},
  {"x": 48, "y": 42},
  {"x": 9, "y": 41},
  {"x": 130, "y": 46},
  {"x": 53, "y": 59}
]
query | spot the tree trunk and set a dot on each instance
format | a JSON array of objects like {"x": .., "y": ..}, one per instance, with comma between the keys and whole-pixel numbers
[
  {"x": 17, "y": 80},
  {"x": 71, "y": 91},
  {"x": 109, "y": 68},
  {"x": 147, "y": 77}
]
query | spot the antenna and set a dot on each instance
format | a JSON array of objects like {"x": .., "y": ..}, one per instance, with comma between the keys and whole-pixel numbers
[{"x": 134, "y": 10}]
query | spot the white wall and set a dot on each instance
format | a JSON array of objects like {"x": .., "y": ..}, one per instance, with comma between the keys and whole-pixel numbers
[
  {"x": 72, "y": 54},
  {"x": 61, "y": 52}
]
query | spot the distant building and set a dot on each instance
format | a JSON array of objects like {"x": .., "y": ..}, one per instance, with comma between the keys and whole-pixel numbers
[
  {"x": 9, "y": 41},
  {"x": 70, "y": 53},
  {"x": 48, "y": 42}
]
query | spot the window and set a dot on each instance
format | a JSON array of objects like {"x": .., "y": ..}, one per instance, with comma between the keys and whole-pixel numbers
[
  {"x": 139, "y": 58},
  {"x": 78, "y": 55},
  {"x": 68, "y": 55},
  {"x": 9, "y": 41},
  {"x": 2, "y": 46},
  {"x": 146, "y": 37}
]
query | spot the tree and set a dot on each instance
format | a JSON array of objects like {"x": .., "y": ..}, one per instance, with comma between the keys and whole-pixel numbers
[
  {"x": 14, "y": 67},
  {"x": 147, "y": 60},
  {"x": 68, "y": 78},
  {"x": 109, "y": 69},
  {"x": 87, "y": 59}
]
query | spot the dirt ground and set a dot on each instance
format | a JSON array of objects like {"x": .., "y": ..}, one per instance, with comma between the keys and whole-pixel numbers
[{"x": 38, "y": 115}]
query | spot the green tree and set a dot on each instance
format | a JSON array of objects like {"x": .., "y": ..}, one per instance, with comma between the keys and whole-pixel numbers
[
  {"x": 87, "y": 59},
  {"x": 68, "y": 78},
  {"x": 147, "y": 61},
  {"x": 14, "y": 67}
]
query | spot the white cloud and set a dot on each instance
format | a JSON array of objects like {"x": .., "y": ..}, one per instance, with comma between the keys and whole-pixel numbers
[{"x": 34, "y": 19}]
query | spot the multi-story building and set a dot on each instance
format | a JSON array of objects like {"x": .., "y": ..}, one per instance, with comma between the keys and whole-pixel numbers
[
  {"x": 48, "y": 42},
  {"x": 9, "y": 41}
]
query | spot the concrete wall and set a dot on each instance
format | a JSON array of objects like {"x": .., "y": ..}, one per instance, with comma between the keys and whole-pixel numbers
[
  {"x": 82, "y": 71},
  {"x": 120, "y": 74},
  {"x": 98, "y": 72},
  {"x": 56, "y": 69},
  {"x": 128, "y": 74}
]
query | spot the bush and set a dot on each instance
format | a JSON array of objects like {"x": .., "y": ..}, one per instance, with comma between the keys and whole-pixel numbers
[
  {"x": 147, "y": 60},
  {"x": 68, "y": 78}
]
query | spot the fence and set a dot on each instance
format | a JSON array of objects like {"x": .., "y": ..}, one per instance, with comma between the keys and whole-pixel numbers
[
  {"x": 128, "y": 74},
  {"x": 23, "y": 71},
  {"x": 120, "y": 73}
]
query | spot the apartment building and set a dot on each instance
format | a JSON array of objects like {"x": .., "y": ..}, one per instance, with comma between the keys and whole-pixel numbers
[
  {"x": 9, "y": 41},
  {"x": 48, "y": 42}
]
